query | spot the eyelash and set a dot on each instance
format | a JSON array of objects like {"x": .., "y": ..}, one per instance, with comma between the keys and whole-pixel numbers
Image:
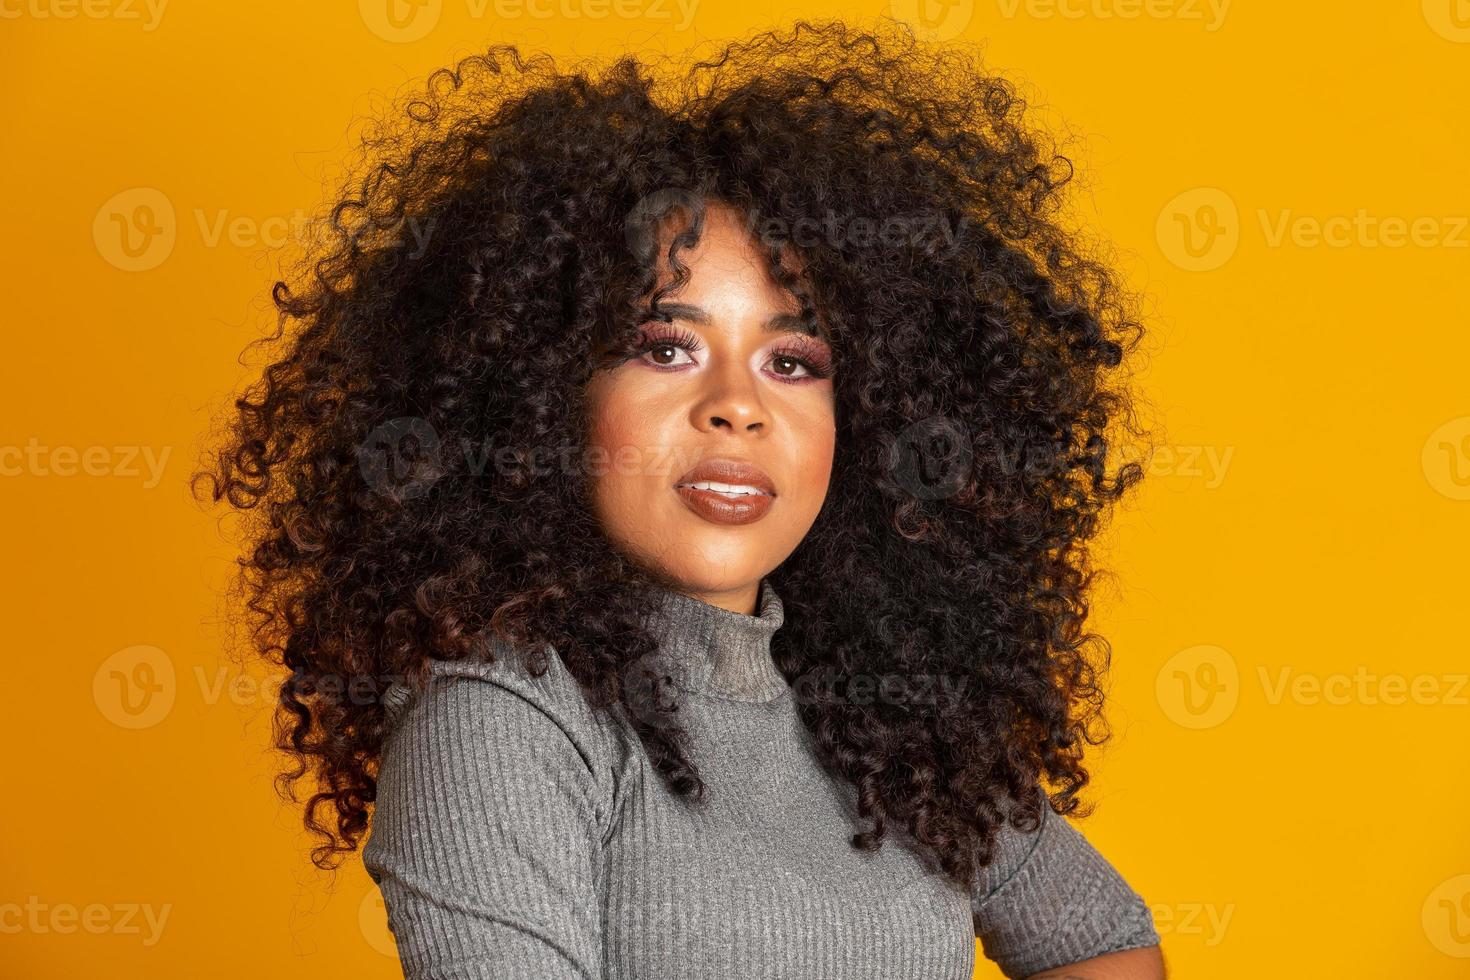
[{"x": 805, "y": 354}]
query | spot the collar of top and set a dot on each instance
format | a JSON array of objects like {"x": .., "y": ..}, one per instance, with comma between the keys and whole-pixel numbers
[{"x": 714, "y": 651}]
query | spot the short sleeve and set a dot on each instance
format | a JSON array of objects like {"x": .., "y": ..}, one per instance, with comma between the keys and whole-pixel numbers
[
  {"x": 485, "y": 836},
  {"x": 1049, "y": 899}
]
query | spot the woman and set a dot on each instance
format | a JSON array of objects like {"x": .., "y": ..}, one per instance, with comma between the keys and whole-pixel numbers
[{"x": 716, "y": 606}]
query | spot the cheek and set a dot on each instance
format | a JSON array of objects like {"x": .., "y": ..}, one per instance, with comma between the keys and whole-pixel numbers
[
  {"x": 622, "y": 436},
  {"x": 605, "y": 432},
  {"x": 814, "y": 447},
  {"x": 822, "y": 460},
  {"x": 609, "y": 430}
]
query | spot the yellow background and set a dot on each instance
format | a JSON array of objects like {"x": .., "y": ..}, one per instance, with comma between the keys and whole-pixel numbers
[{"x": 1286, "y": 181}]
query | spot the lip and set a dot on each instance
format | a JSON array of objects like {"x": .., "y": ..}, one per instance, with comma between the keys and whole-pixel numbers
[{"x": 717, "y": 508}]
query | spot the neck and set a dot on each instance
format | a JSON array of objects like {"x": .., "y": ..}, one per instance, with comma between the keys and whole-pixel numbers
[
  {"x": 744, "y": 600},
  {"x": 720, "y": 651}
]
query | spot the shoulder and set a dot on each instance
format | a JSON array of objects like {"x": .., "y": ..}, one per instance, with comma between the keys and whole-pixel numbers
[
  {"x": 467, "y": 709},
  {"x": 1050, "y": 898},
  {"x": 494, "y": 799},
  {"x": 555, "y": 691},
  {"x": 1012, "y": 849}
]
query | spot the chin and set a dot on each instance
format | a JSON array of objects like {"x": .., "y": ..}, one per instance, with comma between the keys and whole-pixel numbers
[
  {"x": 701, "y": 556},
  {"x": 714, "y": 570}
]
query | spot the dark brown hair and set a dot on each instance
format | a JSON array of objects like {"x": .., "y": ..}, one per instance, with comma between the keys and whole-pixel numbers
[{"x": 495, "y": 240}]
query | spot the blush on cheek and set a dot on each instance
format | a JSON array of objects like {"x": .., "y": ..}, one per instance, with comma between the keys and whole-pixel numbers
[
  {"x": 617, "y": 464},
  {"x": 815, "y": 469}
]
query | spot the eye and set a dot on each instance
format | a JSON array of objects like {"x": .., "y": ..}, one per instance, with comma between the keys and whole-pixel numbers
[
  {"x": 655, "y": 347},
  {"x": 790, "y": 366},
  {"x": 801, "y": 361}
]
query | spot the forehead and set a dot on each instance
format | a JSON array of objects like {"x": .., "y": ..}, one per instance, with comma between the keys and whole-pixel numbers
[
  {"x": 728, "y": 274},
  {"x": 725, "y": 245}
]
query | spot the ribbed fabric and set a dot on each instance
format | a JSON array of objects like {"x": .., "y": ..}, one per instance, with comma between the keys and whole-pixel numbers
[{"x": 519, "y": 834}]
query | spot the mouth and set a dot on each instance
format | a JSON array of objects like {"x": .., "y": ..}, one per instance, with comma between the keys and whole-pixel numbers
[{"x": 727, "y": 491}]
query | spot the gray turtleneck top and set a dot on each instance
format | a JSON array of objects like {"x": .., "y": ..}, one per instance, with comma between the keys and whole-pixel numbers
[{"x": 519, "y": 834}]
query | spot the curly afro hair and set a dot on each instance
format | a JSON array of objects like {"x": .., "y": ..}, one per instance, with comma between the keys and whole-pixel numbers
[{"x": 489, "y": 248}]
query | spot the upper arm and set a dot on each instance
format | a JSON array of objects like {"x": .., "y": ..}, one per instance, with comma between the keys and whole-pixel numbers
[
  {"x": 1051, "y": 899},
  {"x": 485, "y": 838}
]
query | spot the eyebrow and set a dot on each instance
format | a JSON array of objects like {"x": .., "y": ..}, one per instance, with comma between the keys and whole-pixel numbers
[{"x": 780, "y": 323}]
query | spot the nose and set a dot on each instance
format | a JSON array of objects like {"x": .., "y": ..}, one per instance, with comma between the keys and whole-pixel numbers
[{"x": 732, "y": 400}]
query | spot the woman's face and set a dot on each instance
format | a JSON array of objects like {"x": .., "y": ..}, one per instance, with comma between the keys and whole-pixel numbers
[{"x": 725, "y": 384}]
